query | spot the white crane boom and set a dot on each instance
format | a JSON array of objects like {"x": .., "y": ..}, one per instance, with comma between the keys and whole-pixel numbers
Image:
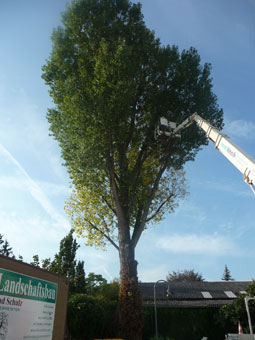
[{"x": 239, "y": 158}]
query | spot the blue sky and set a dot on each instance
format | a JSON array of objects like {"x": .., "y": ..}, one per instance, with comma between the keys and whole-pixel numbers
[{"x": 214, "y": 225}]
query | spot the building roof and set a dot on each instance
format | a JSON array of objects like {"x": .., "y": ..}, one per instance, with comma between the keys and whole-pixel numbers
[{"x": 195, "y": 294}]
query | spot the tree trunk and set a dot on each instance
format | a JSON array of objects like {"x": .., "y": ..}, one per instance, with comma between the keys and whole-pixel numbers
[{"x": 130, "y": 302}]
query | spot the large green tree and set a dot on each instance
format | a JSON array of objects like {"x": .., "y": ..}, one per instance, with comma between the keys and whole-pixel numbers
[{"x": 111, "y": 80}]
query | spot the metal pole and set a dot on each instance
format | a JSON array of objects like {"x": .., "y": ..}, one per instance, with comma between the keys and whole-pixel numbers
[
  {"x": 247, "y": 299},
  {"x": 155, "y": 305},
  {"x": 155, "y": 312}
]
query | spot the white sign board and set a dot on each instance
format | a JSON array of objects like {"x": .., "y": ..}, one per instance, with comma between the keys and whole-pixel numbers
[
  {"x": 246, "y": 337},
  {"x": 233, "y": 337},
  {"x": 27, "y": 307}
]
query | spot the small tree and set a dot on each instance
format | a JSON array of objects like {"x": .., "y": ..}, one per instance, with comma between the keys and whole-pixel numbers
[
  {"x": 64, "y": 263},
  {"x": 236, "y": 311},
  {"x": 184, "y": 276},
  {"x": 36, "y": 261},
  {"x": 5, "y": 249},
  {"x": 46, "y": 263},
  {"x": 226, "y": 275},
  {"x": 93, "y": 282},
  {"x": 1, "y": 239}
]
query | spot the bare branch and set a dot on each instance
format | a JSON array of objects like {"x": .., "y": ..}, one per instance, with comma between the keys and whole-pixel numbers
[
  {"x": 138, "y": 231},
  {"x": 104, "y": 234},
  {"x": 159, "y": 208}
]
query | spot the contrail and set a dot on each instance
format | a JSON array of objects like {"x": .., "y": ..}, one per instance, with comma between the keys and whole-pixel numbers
[
  {"x": 36, "y": 191},
  {"x": 108, "y": 274}
]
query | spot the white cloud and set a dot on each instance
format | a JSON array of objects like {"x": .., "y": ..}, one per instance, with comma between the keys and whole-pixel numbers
[
  {"x": 241, "y": 189},
  {"x": 196, "y": 244},
  {"x": 240, "y": 128},
  {"x": 191, "y": 210},
  {"x": 153, "y": 273},
  {"x": 99, "y": 261},
  {"x": 32, "y": 235},
  {"x": 11, "y": 182},
  {"x": 25, "y": 131},
  {"x": 53, "y": 189},
  {"x": 19, "y": 183}
]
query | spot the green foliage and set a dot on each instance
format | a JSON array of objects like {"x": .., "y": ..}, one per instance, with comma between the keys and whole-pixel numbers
[
  {"x": 109, "y": 291},
  {"x": 79, "y": 280},
  {"x": 232, "y": 314},
  {"x": 91, "y": 317},
  {"x": 184, "y": 276},
  {"x": 111, "y": 80},
  {"x": 183, "y": 324},
  {"x": 36, "y": 261},
  {"x": 64, "y": 263},
  {"x": 5, "y": 248},
  {"x": 94, "y": 314},
  {"x": 94, "y": 283},
  {"x": 46, "y": 263}
]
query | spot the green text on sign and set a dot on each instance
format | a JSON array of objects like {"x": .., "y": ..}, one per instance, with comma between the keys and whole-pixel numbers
[{"x": 27, "y": 287}]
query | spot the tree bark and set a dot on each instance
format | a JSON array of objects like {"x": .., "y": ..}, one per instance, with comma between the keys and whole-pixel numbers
[{"x": 130, "y": 302}]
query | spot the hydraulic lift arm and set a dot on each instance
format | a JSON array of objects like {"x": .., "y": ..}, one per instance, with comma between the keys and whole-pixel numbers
[{"x": 239, "y": 158}]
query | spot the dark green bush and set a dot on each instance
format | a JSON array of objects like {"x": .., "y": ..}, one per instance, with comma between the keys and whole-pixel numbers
[
  {"x": 183, "y": 324},
  {"x": 91, "y": 317}
]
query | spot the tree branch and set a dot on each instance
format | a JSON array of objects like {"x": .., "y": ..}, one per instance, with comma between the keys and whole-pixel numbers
[
  {"x": 130, "y": 132},
  {"x": 138, "y": 216},
  {"x": 109, "y": 205},
  {"x": 141, "y": 158},
  {"x": 159, "y": 208},
  {"x": 138, "y": 231},
  {"x": 105, "y": 235},
  {"x": 119, "y": 211}
]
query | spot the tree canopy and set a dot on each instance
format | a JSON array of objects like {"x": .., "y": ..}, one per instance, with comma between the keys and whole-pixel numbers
[
  {"x": 184, "y": 276},
  {"x": 111, "y": 80}
]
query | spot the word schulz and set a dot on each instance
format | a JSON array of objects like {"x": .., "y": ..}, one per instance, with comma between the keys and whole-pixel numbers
[{"x": 10, "y": 302}]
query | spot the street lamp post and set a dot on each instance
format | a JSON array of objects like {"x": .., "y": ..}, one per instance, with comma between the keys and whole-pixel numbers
[
  {"x": 246, "y": 300},
  {"x": 155, "y": 304}
]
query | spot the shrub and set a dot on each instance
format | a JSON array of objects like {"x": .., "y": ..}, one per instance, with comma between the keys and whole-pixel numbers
[{"x": 90, "y": 317}]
